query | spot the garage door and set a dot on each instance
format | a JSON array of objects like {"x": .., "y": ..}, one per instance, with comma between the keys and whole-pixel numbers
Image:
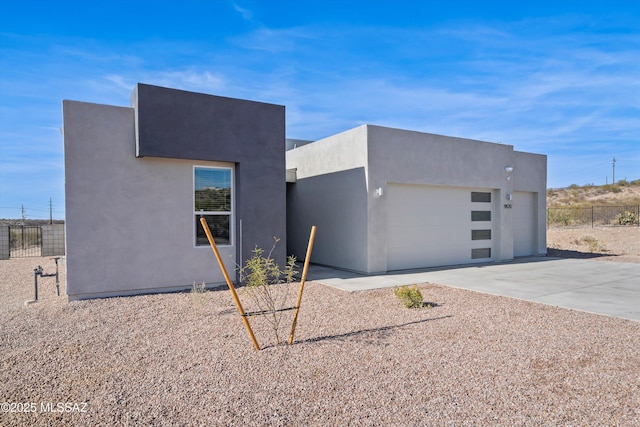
[
  {"x": 524, "y": 223},
  {"x": 431, "y": 226}
]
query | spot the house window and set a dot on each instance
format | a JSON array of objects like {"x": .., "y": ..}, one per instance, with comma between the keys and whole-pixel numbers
[
  {"x": 480, "y": 215},
  {"x": 213, "y": 200},
  {"x": 477, "y": 196}
]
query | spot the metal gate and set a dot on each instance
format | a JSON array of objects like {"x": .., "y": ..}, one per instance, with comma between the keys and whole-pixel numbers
[{"x": 25, "y": 241}]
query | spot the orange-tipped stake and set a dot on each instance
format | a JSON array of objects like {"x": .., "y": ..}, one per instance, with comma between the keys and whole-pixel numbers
[
  {"x": 302, "y": 280},
  {"x": 205, "y": 226}
]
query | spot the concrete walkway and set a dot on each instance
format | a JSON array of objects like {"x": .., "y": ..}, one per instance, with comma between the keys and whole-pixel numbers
[{"x": 602, "y": 287}]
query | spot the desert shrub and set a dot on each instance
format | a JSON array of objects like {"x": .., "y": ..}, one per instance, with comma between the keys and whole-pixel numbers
[
  {"x": 551, "y": 192},
  {"x": 612, "y": 188},
  {"x": 409, "y": 295},
  {"x": 559, "y": 217},
  {"x": 627, "y": 218},
  {"x": 592, "y": 242},
  {"x": 261, "y": 275},
  {"x": 622, "y": 182},
  {"x": 594, "y": 245}
]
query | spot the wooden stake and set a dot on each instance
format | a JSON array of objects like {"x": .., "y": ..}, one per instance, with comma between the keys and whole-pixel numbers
[
  {"x": 205, "y": 226},
  {"x": 302, "y": 280}
]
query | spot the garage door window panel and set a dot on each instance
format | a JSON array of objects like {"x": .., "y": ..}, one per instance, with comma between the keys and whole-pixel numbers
[
  {"x": 480, "y": 215},
  {"x": 480, "y": 234},
  {"x": 480, "y": 197},
  {"x": 480, "y": 253}
]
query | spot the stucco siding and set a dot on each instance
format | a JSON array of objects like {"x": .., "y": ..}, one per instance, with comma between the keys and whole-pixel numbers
[
  {"x": 344, "y": 151},
  {"x": 397, "y": 155},
  {"x": 407, "y": 157},
  {"x": 530, "y": 174},
  {"x": 130, "y": 221},
  {"x": 330, "y": 193},
  {"x": 336, "y": 203},
  {"x": 178, "y": 124}
]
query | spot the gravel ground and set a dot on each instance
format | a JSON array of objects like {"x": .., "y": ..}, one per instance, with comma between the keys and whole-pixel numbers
[
  {"x": 620, "y": 244},
  {"x": 359, "y": 359}
]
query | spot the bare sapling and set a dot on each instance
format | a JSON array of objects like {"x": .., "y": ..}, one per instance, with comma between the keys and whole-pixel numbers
[{"x": 267, "y": 286}]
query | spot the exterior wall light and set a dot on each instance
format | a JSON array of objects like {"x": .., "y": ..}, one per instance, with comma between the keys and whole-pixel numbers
[
  {"x": 379, "y": 192},
  {"x": 509, "y": 196},
  {"x": 508, "y": 168}
]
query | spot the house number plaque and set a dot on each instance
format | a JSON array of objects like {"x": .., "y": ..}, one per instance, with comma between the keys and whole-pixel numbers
[{"x": 507, "y": 206}]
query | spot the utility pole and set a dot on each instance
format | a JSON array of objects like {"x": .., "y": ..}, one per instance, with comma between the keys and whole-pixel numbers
[
  {"x": 22, "y": 222},
  {"x": 613, "y": 179},
  {"x": 50, "y": 211}
]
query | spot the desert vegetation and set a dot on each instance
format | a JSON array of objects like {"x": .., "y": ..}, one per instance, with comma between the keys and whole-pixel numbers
[{"x": 622, "y": 193}]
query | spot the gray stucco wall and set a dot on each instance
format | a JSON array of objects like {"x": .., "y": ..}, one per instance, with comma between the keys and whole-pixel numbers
[
  {"x": 530, "y": 174},
  {"x": 129, "y": 221},
  {"x": 178, "y": 124},
  {"x": 330, "y": 193},
  {"x": 129, "y": 188},
  {"x": 336, "y": 204},
  {"x": 401, "y": 156}
]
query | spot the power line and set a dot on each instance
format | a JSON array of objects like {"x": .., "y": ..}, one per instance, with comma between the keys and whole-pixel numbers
[{"x": 23, "y": 213}]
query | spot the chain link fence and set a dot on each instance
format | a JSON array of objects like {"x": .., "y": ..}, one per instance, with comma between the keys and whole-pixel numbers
[{"x": 594, "y": 216}]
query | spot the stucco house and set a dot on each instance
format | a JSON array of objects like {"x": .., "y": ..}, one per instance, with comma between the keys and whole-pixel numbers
[
  {"x": 388, "y": 199},
  {"x": 138, "y": 178}
]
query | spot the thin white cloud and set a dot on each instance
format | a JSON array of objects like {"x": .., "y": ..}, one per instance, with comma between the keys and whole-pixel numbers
[
  {"x": 245, "y": 13},
  {"x": 119, "y": 81},
  {"x": 187, "y": 79}
]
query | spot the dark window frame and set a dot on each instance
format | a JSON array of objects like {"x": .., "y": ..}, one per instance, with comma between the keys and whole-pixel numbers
[
  {"x": 480, "y": 197},
  {"x": 481, "y": 253},
  {"x": 219, "y": 209},
  {"x": 481, "y": 234},
  {"x": 480, "y": 216}
]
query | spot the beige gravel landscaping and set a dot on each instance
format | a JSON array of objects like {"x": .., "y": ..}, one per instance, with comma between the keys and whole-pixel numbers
[
  {"x": 359, "y": 359},
  {"x": 619, "y": 244}
]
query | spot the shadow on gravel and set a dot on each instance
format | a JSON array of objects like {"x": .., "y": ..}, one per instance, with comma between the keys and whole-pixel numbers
[
  {"x": 563, "y": 253},
  {"x": 381, "y": 330}
]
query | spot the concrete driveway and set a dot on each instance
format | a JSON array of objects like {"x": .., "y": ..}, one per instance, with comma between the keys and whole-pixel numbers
[{"x": 609, "y": 288}]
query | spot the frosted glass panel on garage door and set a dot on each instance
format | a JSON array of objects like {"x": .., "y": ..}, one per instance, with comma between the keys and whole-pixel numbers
[
  {"x": 524, "y": 223},
  {"x": 430, "y": 226}
]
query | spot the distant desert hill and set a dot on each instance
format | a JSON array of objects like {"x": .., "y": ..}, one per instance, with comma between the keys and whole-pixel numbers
[{"x": 622, "y": 193}]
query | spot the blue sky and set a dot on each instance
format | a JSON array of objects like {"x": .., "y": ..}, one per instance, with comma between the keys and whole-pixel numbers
[{"x": 560, "y": 78}]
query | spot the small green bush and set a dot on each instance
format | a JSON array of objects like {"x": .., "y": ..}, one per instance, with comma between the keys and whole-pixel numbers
[
  {"x": 410, "y": 296},
  {"x": 261, "y": 275}
]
